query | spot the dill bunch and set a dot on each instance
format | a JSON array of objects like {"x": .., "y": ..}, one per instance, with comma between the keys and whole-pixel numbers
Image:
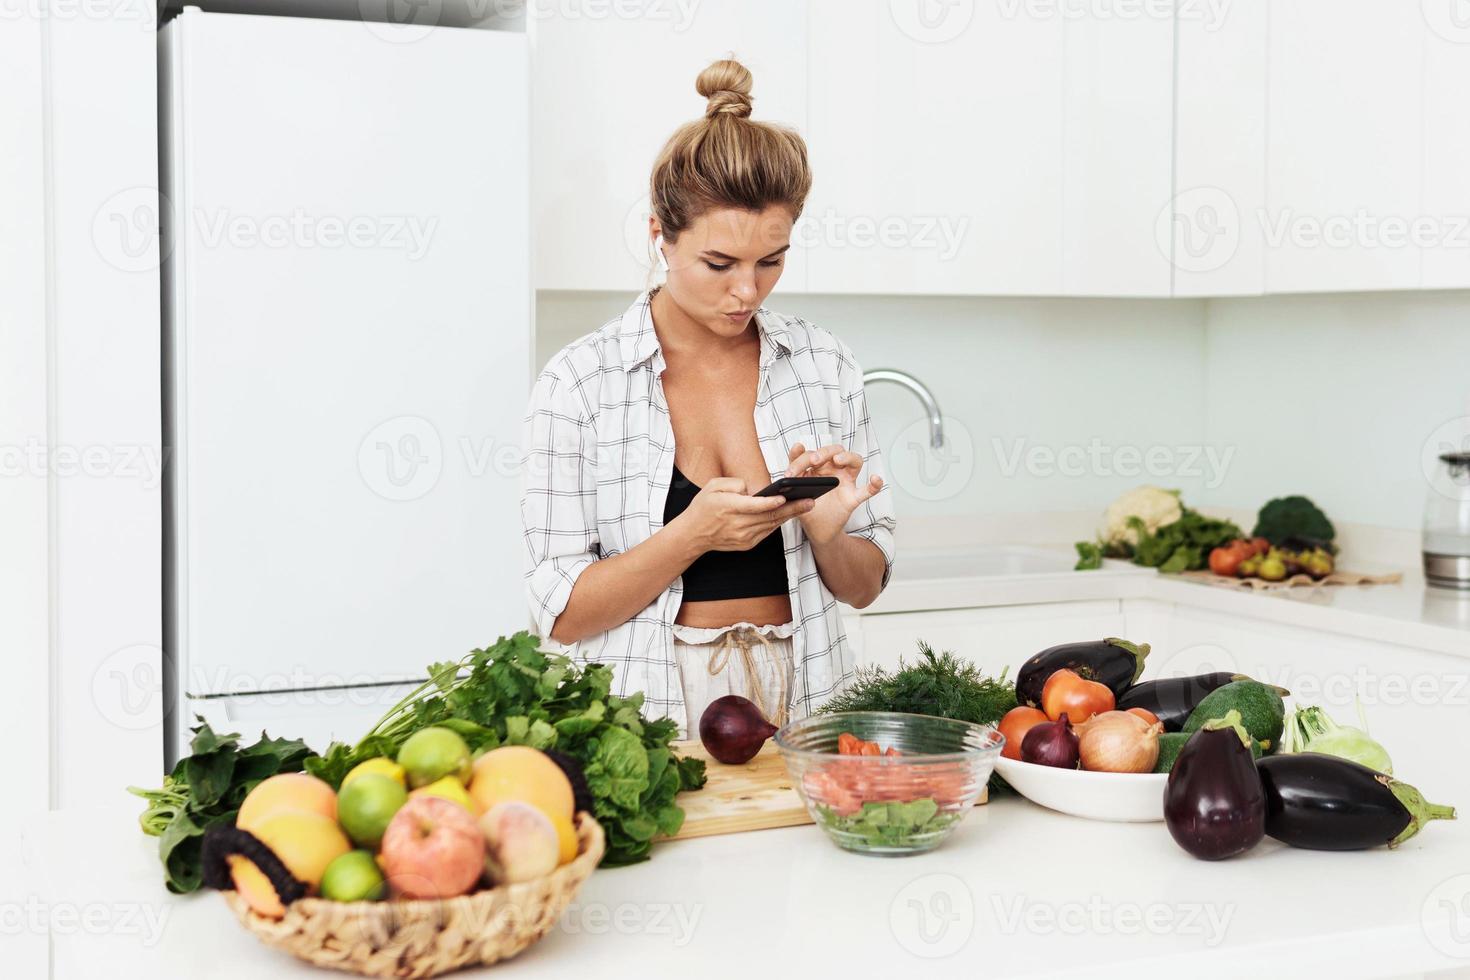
[{"x": 936, "y": 684}]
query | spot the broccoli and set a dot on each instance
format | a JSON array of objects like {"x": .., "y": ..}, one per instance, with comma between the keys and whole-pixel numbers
[{"x": 1286, "y": 518}]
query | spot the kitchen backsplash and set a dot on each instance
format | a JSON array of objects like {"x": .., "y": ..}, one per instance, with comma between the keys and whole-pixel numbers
[{"x": 1057, "y": 405}]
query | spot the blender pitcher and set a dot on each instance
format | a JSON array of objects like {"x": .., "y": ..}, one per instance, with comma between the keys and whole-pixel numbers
[{"x": 1447, "y": 524}]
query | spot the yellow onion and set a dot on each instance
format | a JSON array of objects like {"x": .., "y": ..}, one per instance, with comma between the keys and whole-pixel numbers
[{"x": 1118, "y": 741}]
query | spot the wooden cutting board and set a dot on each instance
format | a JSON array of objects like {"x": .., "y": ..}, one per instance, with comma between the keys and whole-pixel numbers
[{"x": 758, "y": 795}]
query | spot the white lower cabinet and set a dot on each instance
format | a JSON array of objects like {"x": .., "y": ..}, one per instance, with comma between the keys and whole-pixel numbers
[
  {"x": 996, "y": 638},
  {"x": 1414, "y": 701}
]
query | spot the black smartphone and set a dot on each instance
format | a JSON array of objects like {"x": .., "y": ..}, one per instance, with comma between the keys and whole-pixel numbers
[{"x": 799, "y": 487}]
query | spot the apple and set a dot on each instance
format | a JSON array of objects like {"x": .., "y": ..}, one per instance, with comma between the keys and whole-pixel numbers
[{"x": 432, "y": 849}]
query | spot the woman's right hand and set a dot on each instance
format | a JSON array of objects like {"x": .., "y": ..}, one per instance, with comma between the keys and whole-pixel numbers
[{"x": 723, "y": 517}]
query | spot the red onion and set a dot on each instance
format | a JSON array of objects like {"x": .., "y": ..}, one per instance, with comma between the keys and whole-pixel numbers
[
  {"x": 1051, "y": 743},
  {"x": 733, "y": 729}
]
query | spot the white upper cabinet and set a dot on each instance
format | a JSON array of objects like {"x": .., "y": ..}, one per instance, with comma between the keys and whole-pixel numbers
[
  {"x": 987, "y": 148},
  {"x": 1215, "y": 235},
  {"x": 1117, "y": 147},
  {"x": 1446, "y": 149},
  {"x": 936, "y": 149},
  {"x": 1015, "y": 147},
  {"x": 1344, "y": 145},
  {"x": 611, "y": 83}
]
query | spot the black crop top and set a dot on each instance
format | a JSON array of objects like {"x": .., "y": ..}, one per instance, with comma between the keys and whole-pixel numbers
[{"x": 728, "y": 574}]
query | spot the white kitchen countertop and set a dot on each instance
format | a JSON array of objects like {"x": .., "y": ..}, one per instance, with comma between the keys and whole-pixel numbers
[
  {"x": 1407, "y": 613},
  {"x": 1018, "y": 891}
]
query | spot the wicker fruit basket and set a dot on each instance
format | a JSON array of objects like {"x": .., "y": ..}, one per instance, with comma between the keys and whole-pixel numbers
[{"x": 424, "y": 938}]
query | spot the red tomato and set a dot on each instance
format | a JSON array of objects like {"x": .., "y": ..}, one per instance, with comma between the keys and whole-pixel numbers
[
  {"x": 1224, "y": 560},
  {"x": 1067, "y": 692},
  {"x": 829, "y": 790},
  {"x": 1014, "y": 726}
]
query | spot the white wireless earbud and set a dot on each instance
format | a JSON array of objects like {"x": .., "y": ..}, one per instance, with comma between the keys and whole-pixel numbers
[{"x": 663, "y": 260}]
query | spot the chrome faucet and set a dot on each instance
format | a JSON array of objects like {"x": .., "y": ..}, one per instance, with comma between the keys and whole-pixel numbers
[{"x": 936, "y": 421}]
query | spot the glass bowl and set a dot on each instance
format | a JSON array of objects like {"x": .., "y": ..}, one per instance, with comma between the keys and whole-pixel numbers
[{"x": 889, "y": 804}]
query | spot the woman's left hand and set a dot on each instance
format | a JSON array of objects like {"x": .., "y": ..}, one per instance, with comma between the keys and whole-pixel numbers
[{"x": 829, "y": 515}]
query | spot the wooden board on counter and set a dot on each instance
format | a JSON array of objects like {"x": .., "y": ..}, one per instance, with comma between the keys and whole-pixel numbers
[{"x": 758, "y": 795}]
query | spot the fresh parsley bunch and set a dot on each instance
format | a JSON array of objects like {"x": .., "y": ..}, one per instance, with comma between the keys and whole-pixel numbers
[{"x": 513, "y": 693}]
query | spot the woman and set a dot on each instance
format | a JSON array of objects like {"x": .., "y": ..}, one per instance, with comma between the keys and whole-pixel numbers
[{"x": 648, "y": 439}]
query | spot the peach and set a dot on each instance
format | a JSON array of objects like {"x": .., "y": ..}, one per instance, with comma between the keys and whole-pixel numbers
[
  {"x": 521, "y": 842},
  {"x": 432, "y": 849},
  {"x": 286, "y": 791}
]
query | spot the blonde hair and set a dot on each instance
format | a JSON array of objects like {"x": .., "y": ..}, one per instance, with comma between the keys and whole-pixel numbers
[{"x": 726, "y": 159}]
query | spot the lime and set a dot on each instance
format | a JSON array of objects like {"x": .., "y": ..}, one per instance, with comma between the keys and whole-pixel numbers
[
  {"x": 430, "y": 754},
  {"x": 353, "y": 877},
  {"x": 365, "y": 805},
  {"x": 382, "y": 765}
]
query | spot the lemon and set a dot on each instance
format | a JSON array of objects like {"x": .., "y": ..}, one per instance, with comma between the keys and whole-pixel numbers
[
  {"x": 382, "y": 766},
  {"x": 449, "y": 788}
]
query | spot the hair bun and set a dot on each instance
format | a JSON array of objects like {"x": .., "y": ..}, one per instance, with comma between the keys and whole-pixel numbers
[{"x": 726, "y": 84}]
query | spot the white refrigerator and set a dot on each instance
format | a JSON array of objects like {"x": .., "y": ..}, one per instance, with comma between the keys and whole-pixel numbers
[{"x": 347, "y": 359}]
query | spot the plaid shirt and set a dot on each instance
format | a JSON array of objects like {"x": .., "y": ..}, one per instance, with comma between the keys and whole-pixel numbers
[{"x": 599, "y": 454}]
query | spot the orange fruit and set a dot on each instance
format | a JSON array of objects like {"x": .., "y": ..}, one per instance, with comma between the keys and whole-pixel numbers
[{"x": 518, "y": 772}]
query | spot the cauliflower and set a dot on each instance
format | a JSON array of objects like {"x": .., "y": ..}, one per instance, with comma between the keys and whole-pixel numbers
[{"x": 1152, "y": 505}]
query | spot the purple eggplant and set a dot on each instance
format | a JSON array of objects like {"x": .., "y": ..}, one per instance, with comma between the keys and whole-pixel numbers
[
  {"x": 1331, "y": 804},
  {"x": 1114, "y": 662},
  {"x": 1214, "y": 805},
  {"x": 1173, "y": 699}
]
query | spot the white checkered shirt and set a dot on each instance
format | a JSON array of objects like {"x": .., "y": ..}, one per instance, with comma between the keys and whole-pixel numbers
[{"x": 599, "y": 454}]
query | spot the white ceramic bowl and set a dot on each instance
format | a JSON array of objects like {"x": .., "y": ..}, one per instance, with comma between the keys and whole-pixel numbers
[{"x": 1094, "y": 795}]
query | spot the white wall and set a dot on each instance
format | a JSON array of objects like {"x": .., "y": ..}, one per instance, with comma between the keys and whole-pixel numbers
[
  {"x": 1016, "y": 379},
  {"x": 80, "y": 449},
  {"x": 1335, "y": 396},
  {"x": 1238, "y": 400}
]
